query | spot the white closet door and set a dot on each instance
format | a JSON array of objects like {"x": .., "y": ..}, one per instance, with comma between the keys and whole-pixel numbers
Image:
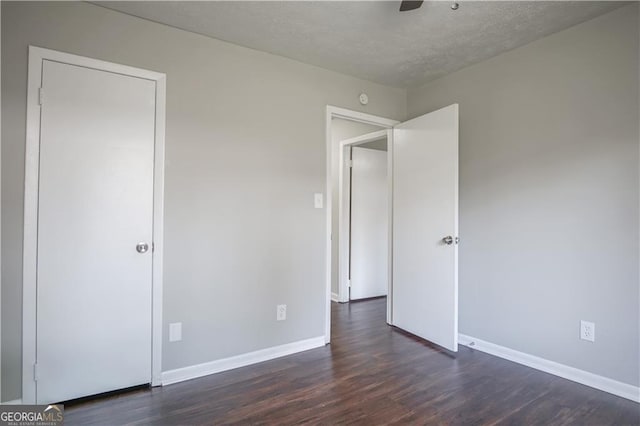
[
  {"x": 369, "y": 223},
  {"x": 95, "y": 206},
  {"x": 425, "y": 226}
]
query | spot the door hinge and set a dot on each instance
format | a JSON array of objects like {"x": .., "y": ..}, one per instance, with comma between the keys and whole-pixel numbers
[
  {"x": 348, "y": 163},
  {"x": 35, "y": 372},
  {"x": 349, "y": 283},
  {"x": 40, "y": 96}
]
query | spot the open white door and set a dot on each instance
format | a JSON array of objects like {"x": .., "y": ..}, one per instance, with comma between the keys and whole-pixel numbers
[{"x": 425, "y": 226}]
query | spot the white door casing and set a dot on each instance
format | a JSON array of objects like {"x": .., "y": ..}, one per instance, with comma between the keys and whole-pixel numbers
[
  {"x": 369, "y": 223},
  {"x": 93, "y": 191},
  {"x": 425, "y": 210}
]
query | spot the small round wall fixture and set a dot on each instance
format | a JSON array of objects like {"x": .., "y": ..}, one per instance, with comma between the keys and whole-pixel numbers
[
  {"x": 364, "y": 99},
  {"x": 454, "y": 6}
]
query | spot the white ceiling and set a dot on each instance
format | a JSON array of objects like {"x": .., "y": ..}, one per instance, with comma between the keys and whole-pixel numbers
[{"x": 371, "y": 39}]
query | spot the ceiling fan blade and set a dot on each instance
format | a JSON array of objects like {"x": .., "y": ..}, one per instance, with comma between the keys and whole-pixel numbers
[{"x": 410, "y": 5}]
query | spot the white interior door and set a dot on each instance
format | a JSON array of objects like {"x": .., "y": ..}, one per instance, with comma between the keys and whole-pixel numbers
[
  {"x": 95, "y": 206},
  {"x": 425, "y": 226},
  {"x": 369, "y": 223}
]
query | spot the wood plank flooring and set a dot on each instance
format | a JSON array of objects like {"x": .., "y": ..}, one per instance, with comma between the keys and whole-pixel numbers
[{"x": 371, "y": 374}]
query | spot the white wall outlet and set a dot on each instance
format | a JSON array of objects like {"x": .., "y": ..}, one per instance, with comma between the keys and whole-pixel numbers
[
  {"x": 588, "y": 331},
  {"x": 281, "y": 312},
  {"x": 175, "y": 332},
  {"x": 318, "y": 200}
]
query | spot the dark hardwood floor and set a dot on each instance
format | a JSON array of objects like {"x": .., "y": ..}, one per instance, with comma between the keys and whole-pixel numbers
[{"x": 370, "y": 374}]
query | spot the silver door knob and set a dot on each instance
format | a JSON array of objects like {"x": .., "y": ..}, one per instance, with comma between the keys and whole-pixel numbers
[
  {"x": 142, "y": 247},
  {"x": 448, "y": 240}
]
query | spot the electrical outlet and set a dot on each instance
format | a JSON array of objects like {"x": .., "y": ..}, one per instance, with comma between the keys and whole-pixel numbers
[
  {"x": 281, "y": 312},
  {"x": 588, "y": 331},
  {"x": 175, "y": 332}
]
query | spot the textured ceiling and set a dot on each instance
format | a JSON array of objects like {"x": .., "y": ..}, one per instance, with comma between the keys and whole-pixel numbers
[{"x": 371, "y": 39}]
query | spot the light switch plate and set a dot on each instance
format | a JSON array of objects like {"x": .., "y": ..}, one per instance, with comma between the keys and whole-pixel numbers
[{"x": 318, "y": 200}]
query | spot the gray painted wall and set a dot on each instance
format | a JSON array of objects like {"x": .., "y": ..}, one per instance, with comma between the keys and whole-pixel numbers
[
  {"x": 549, "y": 194},
  {"x": 340, "y": 130},
  {"x": 245, "y": 151}
]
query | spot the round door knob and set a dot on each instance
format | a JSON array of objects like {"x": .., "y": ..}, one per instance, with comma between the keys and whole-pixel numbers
[
  {"x": 142, "y": 247},
  {"x": 448, "y": 240}
]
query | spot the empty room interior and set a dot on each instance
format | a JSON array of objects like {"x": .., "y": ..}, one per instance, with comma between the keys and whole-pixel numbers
[{"x": 320, "y": 212}]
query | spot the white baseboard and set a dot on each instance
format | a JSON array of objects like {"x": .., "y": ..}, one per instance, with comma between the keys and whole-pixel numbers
[
  {"x": 605, "y": 384},
  {"x": 217, "y": 366},
  {"x": 334, "y": 297},
  {"x": 14, "y": 402}
]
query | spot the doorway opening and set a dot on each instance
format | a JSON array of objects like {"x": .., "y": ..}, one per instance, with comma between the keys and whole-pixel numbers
[
  {"x": 360, "y": 139},
  {"x": 421, "y": 221},
  {"x": 363, "y": 218}
]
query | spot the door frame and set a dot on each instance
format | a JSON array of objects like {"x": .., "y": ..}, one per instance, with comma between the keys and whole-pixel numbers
[
  {"x": 344, "y": 222},
  {"x": 360, "y": 117},
  {"x": 31, "y": 193}
]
